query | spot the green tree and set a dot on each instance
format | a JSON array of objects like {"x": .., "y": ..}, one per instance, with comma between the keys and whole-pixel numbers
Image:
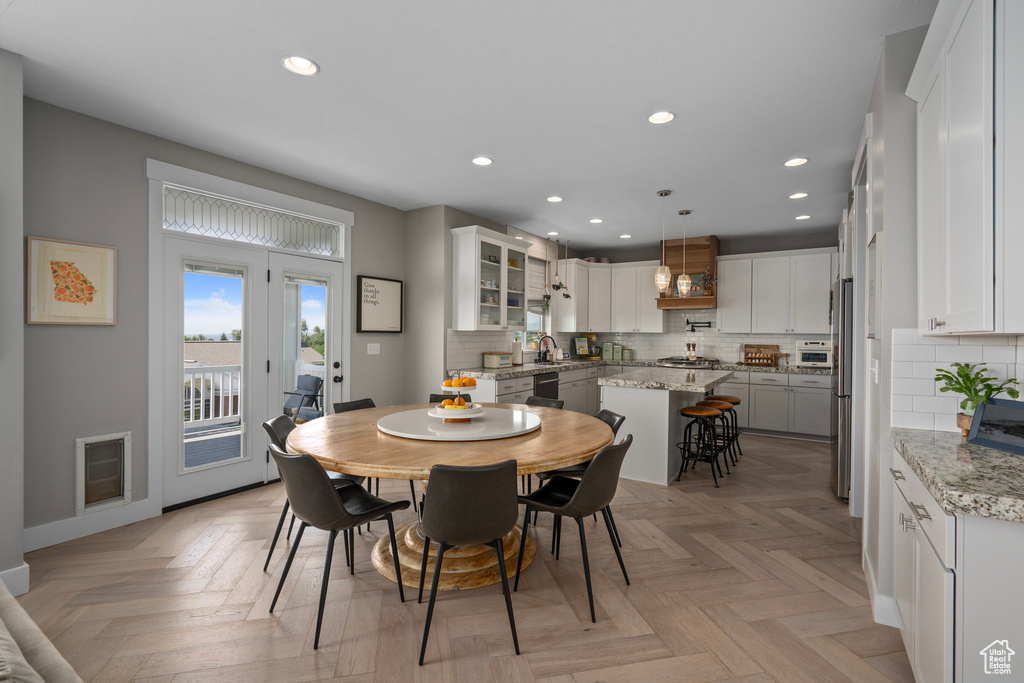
[
  {"x": 236, "y": 335},
  {"x": 305, "y": 328},
  {"x": 223, "y": 336},
  {"x": 316, "y": 340}
]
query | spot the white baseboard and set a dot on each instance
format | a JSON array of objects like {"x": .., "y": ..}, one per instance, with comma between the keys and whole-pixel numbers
[
  {"x": 883, "y": 607},
  {"x": 45, "y": 535},
  {"x": 16, "y": 579}
]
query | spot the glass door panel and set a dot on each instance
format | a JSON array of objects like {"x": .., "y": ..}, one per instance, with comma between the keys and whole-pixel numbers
[
  {"x": 213, "y": 380},
  {"x": 515, "y": 293},
  {"x": 490, "y": 284}
]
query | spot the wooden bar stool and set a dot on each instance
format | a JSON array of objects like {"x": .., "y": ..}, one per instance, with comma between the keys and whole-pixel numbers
[
  {"x": 705, "y": 447},
  {"x": 726, "y": 437},
  {"x": 737, "y": 430}
]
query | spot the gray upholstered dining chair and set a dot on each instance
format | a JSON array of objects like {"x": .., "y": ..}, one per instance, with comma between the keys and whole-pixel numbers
[
  {"x": 277, "y": 429},
  {"x": 579, "y": 498},
  {"x": 317, "y": 503},
  {"x": 545, "y": 402},
  {"x": 468, "y": 506},
  {"x": 362, "y": 404}
]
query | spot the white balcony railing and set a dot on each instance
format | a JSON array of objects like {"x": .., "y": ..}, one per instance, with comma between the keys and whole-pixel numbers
[{"x": 211, "y": 395}]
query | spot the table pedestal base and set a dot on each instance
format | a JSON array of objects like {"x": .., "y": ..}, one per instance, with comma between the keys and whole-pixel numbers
[{"x": 464, "y": 567}]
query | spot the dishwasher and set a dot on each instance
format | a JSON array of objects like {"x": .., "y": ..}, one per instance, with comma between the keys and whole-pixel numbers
[{"x": 545, "y": 385}]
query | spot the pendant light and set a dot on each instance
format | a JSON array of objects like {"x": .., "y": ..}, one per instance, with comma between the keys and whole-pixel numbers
[
  {"x": 683, "y": 282},
  {"x": 663, "y": 276}
]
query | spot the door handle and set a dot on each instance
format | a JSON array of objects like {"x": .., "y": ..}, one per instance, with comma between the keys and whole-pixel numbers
[
  {"x": 920, "y": 511},
  {"x": 896, "y": 474},
  {"x": 907, "y": 523},
  {"x": 338, "y": 378}
]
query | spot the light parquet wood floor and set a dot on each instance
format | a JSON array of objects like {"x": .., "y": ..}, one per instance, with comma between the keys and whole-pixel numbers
[{"x": 757, "y": 581}]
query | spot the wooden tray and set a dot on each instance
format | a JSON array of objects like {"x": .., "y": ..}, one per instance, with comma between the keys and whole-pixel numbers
[{"x": 761, "y": 355}]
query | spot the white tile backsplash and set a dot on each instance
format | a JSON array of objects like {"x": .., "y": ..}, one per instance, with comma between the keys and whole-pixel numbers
[{"x": 916, "y": 401}]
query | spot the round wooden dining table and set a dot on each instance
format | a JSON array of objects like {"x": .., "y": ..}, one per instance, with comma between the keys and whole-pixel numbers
[{"x": 351, "y": 443}]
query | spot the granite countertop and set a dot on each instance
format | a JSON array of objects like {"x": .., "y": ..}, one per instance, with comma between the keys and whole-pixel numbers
[
  {"x": 965, "y": 478},
  {"x": 535, "y": 369},
  {"x": 668, "y": 379}
]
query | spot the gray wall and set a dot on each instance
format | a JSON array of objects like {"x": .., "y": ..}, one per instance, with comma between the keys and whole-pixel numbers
[
  {"x": 12, "y": 313},
  {"x": 85, "y": 181},
  {"x": 894, "y": 202}
]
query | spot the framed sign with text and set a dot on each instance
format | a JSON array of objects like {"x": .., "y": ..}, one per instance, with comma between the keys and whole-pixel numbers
[{"x": 380, "y": 304}]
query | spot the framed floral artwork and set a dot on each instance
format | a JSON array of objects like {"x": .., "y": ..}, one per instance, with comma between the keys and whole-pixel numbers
[{"x": 70, "y": 283}]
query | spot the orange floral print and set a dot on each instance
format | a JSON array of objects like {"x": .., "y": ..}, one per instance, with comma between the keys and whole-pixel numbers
[{"x": 69, "y": 284}]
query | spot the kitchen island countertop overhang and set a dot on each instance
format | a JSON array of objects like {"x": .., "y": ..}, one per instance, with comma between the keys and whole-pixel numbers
[{"x": 669, "y": 379}]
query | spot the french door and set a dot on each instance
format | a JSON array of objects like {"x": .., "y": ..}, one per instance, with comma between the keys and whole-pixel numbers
[
  {"x": 305, "y": 333},
  {"x": 242, "y": 325}
]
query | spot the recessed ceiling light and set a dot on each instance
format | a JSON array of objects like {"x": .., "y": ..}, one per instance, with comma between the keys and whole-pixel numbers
[
  {"x": 596, "y": 220},
  {"x": 624, "y": 237},
  {"x": 552, "y": 233},
  {"x": 554, "y": 199},
  {"x": 661, "y": 117},
  {"x": 519, "y": 237},
  {"x": 802, "y": 218},
  {"x": 300, "y": 65},
  {"x": 798, "y": 195},
  {"x": 798, "y": 161},
  {"x": 483, "y": 161}
]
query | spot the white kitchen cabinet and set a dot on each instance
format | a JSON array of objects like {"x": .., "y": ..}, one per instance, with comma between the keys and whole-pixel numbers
[
  {"x": 593, "y": 396},
  {"x": 810, "y": 411},
  {"x": 734, "y": 295},
  {"x": 742, "y": 392},
  {"x": 488, "y": 280},
  {"x": 574, "y": 394},
  {"x": 810, "y": 279},
  {"x": 769, "y": 407},
  {"x": 599, "y": 309},
  {"x": 572, "y": 315},
  {"x": 624, "y": 317},
  {"x": 770, "y": 295},
  {"x": 969, "y": 86},
  {"x": 634, "y": 299}
]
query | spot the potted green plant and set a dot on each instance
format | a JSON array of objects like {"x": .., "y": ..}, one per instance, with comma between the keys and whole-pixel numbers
[{"x": 971, "y": 382}]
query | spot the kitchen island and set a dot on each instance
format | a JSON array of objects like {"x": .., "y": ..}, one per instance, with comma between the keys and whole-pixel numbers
[{"x": 650, "y": 398}]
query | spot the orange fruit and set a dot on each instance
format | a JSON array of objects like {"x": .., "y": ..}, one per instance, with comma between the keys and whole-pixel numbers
[
  {"x": 447, "y": 402},
  {"x": 460, "y": 401},
  {"x": 447, "y": 383},
  {"x": 457, "y": 382},
  {"x": 468, "y": 382}
]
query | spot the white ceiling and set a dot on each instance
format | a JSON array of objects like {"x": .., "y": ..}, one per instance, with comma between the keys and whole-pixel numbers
[{"x": 557, "y": 93}]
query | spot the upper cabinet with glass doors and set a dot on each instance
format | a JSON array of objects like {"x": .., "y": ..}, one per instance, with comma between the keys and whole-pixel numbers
[{"x": 488, "y": 280}]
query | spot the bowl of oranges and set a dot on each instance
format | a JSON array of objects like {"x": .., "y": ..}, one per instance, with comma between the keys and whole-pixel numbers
[
  {"x": 456, "y": 410},
  {"x": 458, "y": 384}
]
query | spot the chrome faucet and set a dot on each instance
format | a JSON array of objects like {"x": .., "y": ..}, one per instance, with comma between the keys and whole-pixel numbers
[{"x": 544, "y": 357}]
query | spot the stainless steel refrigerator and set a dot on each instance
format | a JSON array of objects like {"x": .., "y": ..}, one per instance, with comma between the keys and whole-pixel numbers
[{"x": 841, "y": 316}]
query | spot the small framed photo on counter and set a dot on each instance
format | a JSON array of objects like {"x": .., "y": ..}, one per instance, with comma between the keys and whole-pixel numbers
[{"x": 999, "y": 424}]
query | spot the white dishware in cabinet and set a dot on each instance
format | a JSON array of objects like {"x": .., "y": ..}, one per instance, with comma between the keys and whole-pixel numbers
[{"x": 488, "y": 280}]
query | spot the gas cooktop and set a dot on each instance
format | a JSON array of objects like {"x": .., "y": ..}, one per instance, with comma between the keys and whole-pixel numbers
[{"x": 700, "y": 363}]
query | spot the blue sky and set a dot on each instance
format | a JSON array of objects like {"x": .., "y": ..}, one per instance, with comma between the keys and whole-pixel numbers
[{"x": 213, "y": 304}]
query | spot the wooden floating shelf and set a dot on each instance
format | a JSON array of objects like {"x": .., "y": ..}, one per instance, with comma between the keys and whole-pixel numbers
[{"x": 687, "y": 302}]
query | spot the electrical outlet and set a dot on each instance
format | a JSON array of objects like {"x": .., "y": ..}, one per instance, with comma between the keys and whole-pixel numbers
[{"x": 373, "y": 349}]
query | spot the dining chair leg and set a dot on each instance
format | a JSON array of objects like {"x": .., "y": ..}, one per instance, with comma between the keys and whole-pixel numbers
[
  {"x": 344, "y": 542},
  {"x": 412, "y": 488},
  {"x": 499, "y": 549},
  {"x": 558, "y": 535},
  {"x": 606, "y": 511},
  {"x": 288, "y": 565},
  {"x": 352, "y": 549},
  {"x": 323, "y": 588},
  {"x": 522, "y": 546},
  {"x": 611, "y": 518},
  {"x": 441, "y": 547},
  {"x": 423, "y": 567},
  {"x": 586, "y": 568},
  {"x": 290, "y": 525},
  {"x": 277, "y": 533},
  {"x": 554, "y": 533},
  {"x": 394, "y": 556}
]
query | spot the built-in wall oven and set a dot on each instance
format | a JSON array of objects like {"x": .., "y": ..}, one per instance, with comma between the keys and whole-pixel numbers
[
  {"x": 814, "y": 354},
  {"x": 545, "y": 385}
]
